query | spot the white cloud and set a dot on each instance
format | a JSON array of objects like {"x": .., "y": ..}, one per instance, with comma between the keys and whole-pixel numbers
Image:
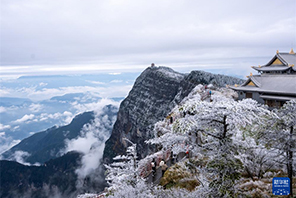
[
  {"x": 2, "y": 109},
  {"x": 115, "y": 91},
  {"x": 35, "y": 107},
  {"x": 116, "y": 81},
  {"x": 64, "y": 118},
  {"x": 94, "y": 106},
  {"x": 35, "y": 94},
  {"x": 91, "y": 143},
  {"x": 6, "y": 143},
  {"x": 42, "y": 84},
  {"x": 68, "y": 116},
  {"x": 15, "y": 128},
  {"x": 129, "y": 34},
  {"x": 82, "y": 144},
  {"x": 96, "y": 82},
  {"x": 3, "y": 127},
  {"x": 4, "y": 92},
  {"x": 47, "y": 93},
  {"x": 19, "y": 156},
  {"x": 115, "y": 73},
  {"x": 25, "y": 118}
]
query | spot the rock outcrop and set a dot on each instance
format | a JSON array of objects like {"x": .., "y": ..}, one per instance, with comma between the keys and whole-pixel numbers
[
  {"x": 156, "y": 91},
  {"x": 204, "y": 78},
  {"x": 150, "y": 99}
]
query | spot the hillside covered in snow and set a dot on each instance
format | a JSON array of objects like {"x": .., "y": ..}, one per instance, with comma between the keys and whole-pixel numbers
[{"x": 210, "y": 145}]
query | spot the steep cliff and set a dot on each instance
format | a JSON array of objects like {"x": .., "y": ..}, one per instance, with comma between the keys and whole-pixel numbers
[
  {"x": 150, "y": 99},
  {"x": 156, "y": 91}
]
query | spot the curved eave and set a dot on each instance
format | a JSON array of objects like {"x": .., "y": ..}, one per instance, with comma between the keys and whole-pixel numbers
[
  {"x": 257, "y": 89},
  {"x": 281, "y": 98},
  {"x": 244, "y": 88},
  {"x": 270, "y": 68}
]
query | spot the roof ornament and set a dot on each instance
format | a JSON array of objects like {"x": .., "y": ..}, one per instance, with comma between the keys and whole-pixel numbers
[
  {"x": 235, "y": 85},
  {"x": 291, "y": 65},
  {"x": 251, "y": 74},
  {"x": 291, "y": 52},
  {"x": 259, "y": 66},
  {"x": 277, "y": 51}
]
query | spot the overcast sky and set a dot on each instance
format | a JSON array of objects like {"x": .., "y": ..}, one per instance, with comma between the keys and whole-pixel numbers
[{"x": 50, "y": 36}]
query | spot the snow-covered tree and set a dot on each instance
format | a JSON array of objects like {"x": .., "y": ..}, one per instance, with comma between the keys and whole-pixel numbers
[
  {"x": 288, "y": 123},
  {"x": 215, "y": 129},
  {"x": 221, "y": 123},
  {"x": 123, "y": 169},
  {"x": 257, "y": 160},
  {"x": 123, "y": 176},
  {"x": 280, "y": 135},
  {"x": 226, "y": 138}
]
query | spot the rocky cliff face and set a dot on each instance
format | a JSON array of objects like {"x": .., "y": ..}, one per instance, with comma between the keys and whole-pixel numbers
[
  {"x": 150, "y": 99},
  {"x": 156, "y": 91}
]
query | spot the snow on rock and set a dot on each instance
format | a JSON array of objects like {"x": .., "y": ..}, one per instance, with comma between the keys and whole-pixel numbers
[
  {"x": 87, "y": 195},
  {"x": 155, "y": 93},
  {"x": 150, "y": 100},
  {"x": 90, "y": 195},
  {"x": 169, "y": 73}
]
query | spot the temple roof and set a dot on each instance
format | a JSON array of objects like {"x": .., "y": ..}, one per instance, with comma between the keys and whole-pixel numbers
[
  {"x": 280, "y": 62},
  {"x": 271, "y": 97},
  {"x": 290, "y": 59},
  {"x": 254, "y": 80},
  {"x": 272, "y": 68},
  {"x": 278, "y": 84},
  {"x": 278, "y": 79}
]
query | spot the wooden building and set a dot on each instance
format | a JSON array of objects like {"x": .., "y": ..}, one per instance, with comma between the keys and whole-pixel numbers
[{"x": 275, "y": 83}]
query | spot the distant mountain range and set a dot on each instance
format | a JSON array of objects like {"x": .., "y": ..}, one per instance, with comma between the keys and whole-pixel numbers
[
  {"x": 48, "y": 144},
  {"x": 55, "y": 177},
  {"x": 21, "y": 117},
  {"x": 9, "y": 101}
]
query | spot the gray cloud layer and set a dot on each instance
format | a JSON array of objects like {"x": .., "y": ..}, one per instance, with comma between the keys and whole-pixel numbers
[{"x": 138, "y": 32}]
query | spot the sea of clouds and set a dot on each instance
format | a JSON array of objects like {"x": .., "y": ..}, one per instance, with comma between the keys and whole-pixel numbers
[{"x": 35, "y": 103}]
